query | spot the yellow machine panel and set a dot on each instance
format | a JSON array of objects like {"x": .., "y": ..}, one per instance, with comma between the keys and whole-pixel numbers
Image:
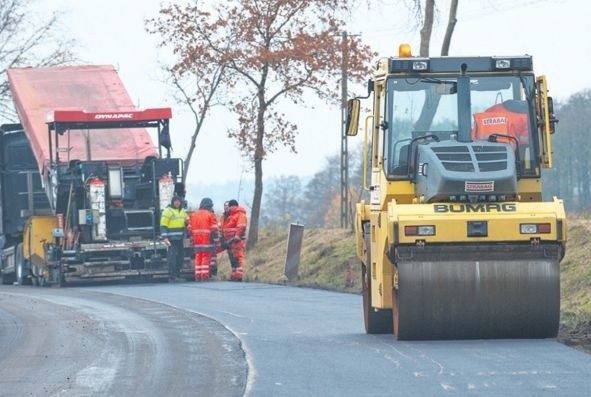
[
  {"x": 501, "y": 222},
  {"x": 38, "y": 231}
]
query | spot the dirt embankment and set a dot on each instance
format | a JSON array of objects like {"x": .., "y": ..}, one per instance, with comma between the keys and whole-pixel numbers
[
  {"x": 578, "y": 336},
  {"x": 575, "y": 316}
]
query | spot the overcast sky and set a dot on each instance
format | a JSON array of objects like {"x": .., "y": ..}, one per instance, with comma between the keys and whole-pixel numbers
[{"x": 555, "y": 32}]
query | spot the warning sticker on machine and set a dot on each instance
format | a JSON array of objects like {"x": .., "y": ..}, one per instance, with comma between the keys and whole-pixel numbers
[
  {"x": 374, "y": 196},
  {"x": 480, "y": 186}
]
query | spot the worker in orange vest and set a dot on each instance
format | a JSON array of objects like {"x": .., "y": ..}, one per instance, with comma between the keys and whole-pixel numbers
[
  {"x": 234, "y": 234},
  {"x": 225, "y": 215},
  {"x": 213, "y": 270},
  {"x": 507, "y": 118},
  {"x": 203, "y": 227}
]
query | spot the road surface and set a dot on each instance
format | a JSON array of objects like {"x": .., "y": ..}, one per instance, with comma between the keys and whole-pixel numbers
[
  {"x": 267, "y": 340},
  {"x": 74, "y": 342}
]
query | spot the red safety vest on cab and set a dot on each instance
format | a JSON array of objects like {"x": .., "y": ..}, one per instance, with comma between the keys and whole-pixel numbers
[{"x": 499, "y": 120}]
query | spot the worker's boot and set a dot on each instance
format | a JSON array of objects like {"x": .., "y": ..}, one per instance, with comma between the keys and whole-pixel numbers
[
  {"x": 236, "y": 274},
  {"x": 213, "y": 267}
]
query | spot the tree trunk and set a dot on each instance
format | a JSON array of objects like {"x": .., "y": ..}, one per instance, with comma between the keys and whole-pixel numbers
[
  {"x": 426, "y": 116},
  {"x": 253, "y": 229},
  {"x": 451, "y": 23},
  {"x": 427, "y": 28},
  {"x": 187, "y": 161}
]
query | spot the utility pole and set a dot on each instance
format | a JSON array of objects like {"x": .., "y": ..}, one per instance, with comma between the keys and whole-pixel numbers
[{"x": 344, "y": 148}]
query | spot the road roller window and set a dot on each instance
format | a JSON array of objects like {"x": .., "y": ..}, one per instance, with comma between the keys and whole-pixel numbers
[
  {"x": 502, "y": 113},
  {"x": 427, "y": 107},
  {"x": 417, "y": 107}
]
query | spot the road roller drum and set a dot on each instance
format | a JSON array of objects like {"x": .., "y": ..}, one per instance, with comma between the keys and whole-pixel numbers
[{"x": 506, "y": 293}]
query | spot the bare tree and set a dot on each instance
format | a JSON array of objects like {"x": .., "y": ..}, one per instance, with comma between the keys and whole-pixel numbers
[
  {"x": 428, "y": 111},
  {"x": 28, "y": 40},
  {"x": 199, "y": 101},
  {"x": 425, "y": 17},
  {"x": 274, "y": 50},
  {"x": 323, "y": 191},
  {"x": 283, "y": 203},
  {"x": 570, "y": 177},
  {"x": 451, "y": 24},
  {"x": 200, "y": 77},
  {"x": 427, "y": 28}
]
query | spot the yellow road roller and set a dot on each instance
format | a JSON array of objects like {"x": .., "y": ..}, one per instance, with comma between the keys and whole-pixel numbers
[{"x": 456, "y": 241}]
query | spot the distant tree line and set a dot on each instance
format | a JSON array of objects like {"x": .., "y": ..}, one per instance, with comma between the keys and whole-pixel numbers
[
  {"x": 570, "y": 177},
  {"x": 315, "y": 203}
]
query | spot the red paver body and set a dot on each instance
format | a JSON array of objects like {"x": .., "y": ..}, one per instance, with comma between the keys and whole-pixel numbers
[{"x": 38, "y": 91}]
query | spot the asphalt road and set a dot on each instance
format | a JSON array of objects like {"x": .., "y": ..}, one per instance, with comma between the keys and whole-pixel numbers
[
  {"x": 75, "y": 342},
  {"x": 275, "y": 341}
]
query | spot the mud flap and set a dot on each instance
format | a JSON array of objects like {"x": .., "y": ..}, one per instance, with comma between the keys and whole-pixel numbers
[{"x": 509, "y": 292}]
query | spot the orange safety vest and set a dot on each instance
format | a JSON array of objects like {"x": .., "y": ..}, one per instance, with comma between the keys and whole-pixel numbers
[
  {"x": 203, "y": 227},
  {"x": 235, "y": 224},
  {"x": 500, "y": 120}
]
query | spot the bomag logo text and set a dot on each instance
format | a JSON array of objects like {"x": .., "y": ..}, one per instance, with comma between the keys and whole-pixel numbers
[{"x": 479, "y": 207}]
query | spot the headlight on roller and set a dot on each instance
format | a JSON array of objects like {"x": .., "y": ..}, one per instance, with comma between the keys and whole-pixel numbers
[
  {"x": 423, "y": 230},
  {"x": 535, "y": 228},
  {"x": 502, "y": 64}
]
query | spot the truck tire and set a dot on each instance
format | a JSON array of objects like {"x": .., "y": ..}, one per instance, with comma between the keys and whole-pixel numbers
[
  {"x": 36, "y": 275},
  {"x": 21, "y": 270},
  {"x": 6, "y": 279},
  {"x": 376, "y": 321}
]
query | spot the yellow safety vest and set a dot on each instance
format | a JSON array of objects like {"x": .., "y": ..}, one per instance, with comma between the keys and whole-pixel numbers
[{"x": 173, "y": 222}]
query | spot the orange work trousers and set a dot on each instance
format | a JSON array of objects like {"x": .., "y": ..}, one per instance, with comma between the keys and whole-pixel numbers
[
  {"x": 202, "y": 262},
  {"x": 236, "y": 254}
]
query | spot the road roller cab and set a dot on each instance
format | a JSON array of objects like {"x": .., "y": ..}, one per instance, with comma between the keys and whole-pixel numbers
[{"x": 456, "y": 240}]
